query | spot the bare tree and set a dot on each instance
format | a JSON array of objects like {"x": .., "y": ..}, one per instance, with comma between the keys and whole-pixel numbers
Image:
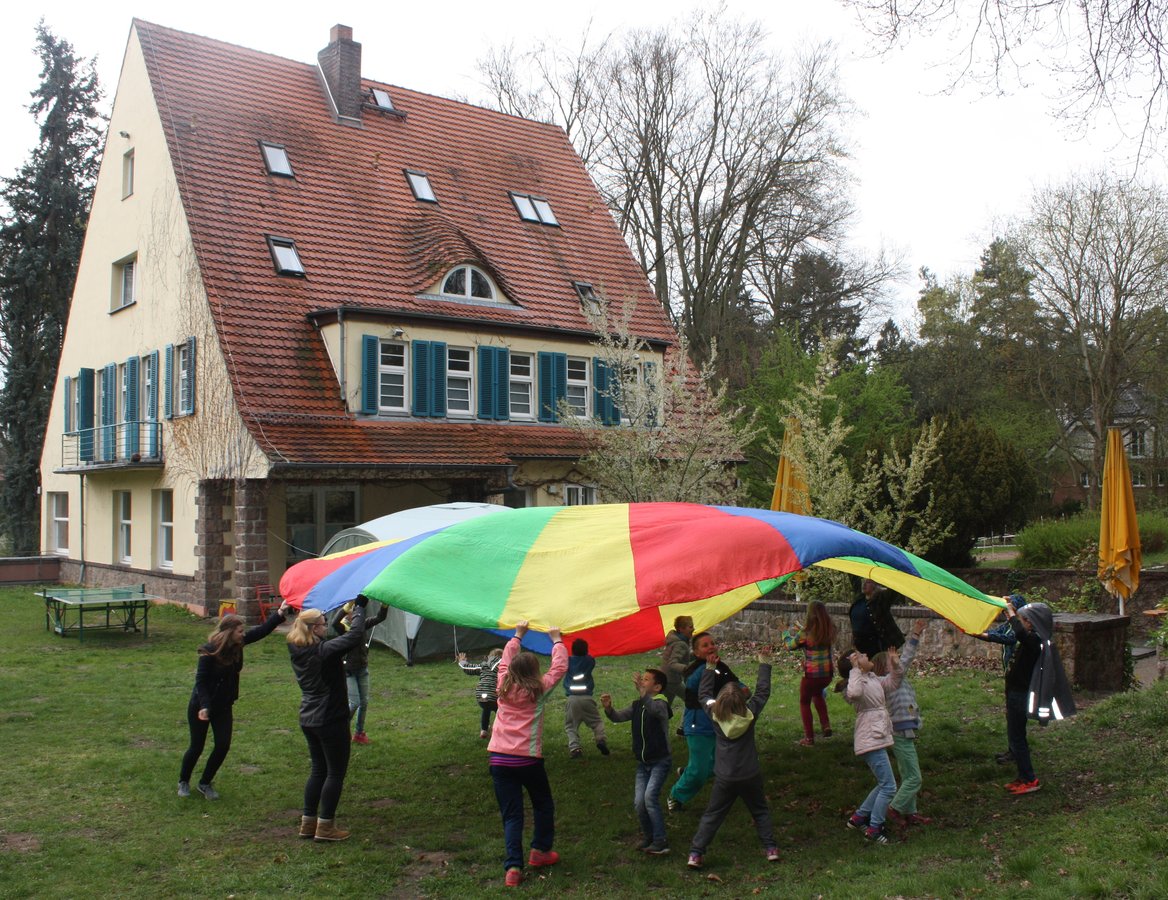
[
  {"x": 1106, "y": 53},
  {"x": 1098, "y": 249},
  {"x": 716, "y": 157},
  {"x": 678, "y": 439}
]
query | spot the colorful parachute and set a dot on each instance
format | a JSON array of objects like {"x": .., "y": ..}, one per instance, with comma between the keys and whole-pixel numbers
[{"x": 617, "y": 574}]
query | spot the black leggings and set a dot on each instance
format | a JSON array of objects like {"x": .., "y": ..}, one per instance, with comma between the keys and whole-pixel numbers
[
  {"x": 488, "y": 707},
  {"x": 221, "y": 725},
  {"x": 328, "y": 748}
]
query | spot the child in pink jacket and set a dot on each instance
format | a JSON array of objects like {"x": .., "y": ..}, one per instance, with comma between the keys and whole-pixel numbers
[
  {"x": 868, "y": 692},
  {"x": 516, "y": 751}
]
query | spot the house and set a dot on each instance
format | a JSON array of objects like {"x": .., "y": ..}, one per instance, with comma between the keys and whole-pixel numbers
[
  {"x": 1078, "y": 483},
  {"x": 308, "y": 299}
]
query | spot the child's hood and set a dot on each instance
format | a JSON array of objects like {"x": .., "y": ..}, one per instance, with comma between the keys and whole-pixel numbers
[{"x": 735, "y": 726}]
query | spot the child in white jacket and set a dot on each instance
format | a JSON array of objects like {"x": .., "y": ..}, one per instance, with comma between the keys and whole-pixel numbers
[{"x": 867, "y": 692}]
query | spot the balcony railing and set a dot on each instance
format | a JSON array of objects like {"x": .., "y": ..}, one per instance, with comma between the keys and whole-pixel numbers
[{"x": 124, "y": 444}]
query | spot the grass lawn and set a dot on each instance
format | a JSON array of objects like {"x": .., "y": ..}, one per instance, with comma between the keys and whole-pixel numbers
[{"x": 92, "y": 736}]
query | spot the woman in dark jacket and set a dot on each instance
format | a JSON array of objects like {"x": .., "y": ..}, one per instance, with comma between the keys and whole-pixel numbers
[
  {"x": 324, "y": 714},
  {"x": 216, "y": 690}
]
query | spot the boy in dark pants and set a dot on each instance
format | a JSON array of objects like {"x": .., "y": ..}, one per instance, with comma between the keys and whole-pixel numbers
[
  {"x": 1036, "y": 686},
  {"x": 649, "y": 714}
]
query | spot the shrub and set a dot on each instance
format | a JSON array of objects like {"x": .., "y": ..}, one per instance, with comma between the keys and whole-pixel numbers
[{"x": 1060, "y": 543}]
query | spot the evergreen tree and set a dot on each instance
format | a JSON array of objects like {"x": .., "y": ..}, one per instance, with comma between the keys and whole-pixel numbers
[{"x": 41, "y": 232}]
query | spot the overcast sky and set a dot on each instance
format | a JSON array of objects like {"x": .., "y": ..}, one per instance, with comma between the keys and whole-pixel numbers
[{"x": 934, "y": 170}]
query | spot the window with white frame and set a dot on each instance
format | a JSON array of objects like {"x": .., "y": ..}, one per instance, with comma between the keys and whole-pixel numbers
[
  {"x": 1139, "y": 479},
  {"x": 123, "y": 514},
  {"x": 534, "y": 209},
  {"x": 125, "y": 283},
  {"x": 186, "y": 378},
  {"x": 276, "y": 159},
  {"x": 521, "y": 386},
  {"x": 1084, "y": 479},
  {"x": 1137, "y": 443},
  {"x": 315, "y": 514},
  {"x": 459, "y": 382},
  {"x": 579, "y": 384},
  {"x": 579, "y": 495},
  {"x": 391, "y": 377},
  {"x": 468, "y": 283},
  {"x": 285, "y": 256},
  {"x": 164, "y": 516},
  {"x": 127, "y": 174},
  {"x": 59, "y": 522}
]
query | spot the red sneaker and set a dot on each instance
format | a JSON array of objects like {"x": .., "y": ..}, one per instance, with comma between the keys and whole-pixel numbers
[
  {"x": 896, "y": 817},
  {"x": 1026, "y": 787},
  {"x": 514, "y": 877},
  {"x": 360, "y": 738},
  {"x": 917, "y": 819},
  {"x": 539, "y": 858},
  {"x": 1014, "y": 785}
]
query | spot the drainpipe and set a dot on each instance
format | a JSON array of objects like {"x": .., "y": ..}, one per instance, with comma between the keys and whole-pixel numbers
[
  {"x": 344, "y": 384},
  {"x": 81, "y": 526}
]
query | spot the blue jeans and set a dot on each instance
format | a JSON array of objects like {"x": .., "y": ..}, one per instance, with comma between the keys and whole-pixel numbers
[
  {"x": 875, "y": 805},
  {"x": 358, "y": 697},
  {"x": 647, "y": 797},
  {"x": 510, "y": 782},
  {"x": 1016, "y": 733}
]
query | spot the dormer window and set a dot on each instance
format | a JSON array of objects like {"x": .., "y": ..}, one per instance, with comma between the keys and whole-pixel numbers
[
  {"x": 420, "y": 185},
  {"x": 276, "y": 159},
  {"x": 589, "y": 299},
  {"x": 468, "y": 283},
  {"x": 285, "y": 257},
  {"x": 534, "y": 209}
]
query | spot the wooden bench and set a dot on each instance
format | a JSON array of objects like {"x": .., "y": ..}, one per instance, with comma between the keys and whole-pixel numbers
[{"x": 77, "y": 609}]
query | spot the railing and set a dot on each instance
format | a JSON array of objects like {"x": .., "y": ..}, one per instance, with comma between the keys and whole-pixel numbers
[{"x": 127, "y": 443}]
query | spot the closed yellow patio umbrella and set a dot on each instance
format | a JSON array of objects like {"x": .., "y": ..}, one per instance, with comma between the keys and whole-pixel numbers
[
  {"x": 1119, "y": 530},
  {"x": 790, "y": 494}
]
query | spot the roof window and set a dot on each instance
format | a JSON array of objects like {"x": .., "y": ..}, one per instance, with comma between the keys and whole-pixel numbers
[
  {"x": 589, "y": 299},
  {"x": 534, "y": 209},
  {"x": 276, "y": 159},
  {"x": 285, "y": 257},
  {"x": 381, "y": 98},
  {"x": 420, "y": 185}
]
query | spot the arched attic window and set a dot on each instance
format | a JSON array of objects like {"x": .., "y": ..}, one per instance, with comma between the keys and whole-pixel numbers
[{"x": 468, "y": 283}]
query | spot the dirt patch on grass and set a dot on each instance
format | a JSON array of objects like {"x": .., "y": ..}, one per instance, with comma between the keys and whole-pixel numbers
[
  {"x": 19, "y": 843},
  {"x": 426, "y": 864},
  {"x": 384, "y": 803}
]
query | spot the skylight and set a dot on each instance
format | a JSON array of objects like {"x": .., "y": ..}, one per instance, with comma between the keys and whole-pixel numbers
[
  {"x": 589, "y": 299},
  {"x": 285, "y": 257},
  {"x": 382, "y": 99},
  {"x": 534, "y": 209},
  {"x": 420, "y": 185},
  {"x": 276, "y": 159}
]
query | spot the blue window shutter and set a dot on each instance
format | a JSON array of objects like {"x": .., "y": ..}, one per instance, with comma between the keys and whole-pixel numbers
[
  {"x": 502, "y": 383},
  {"x": 650, "y": 370},
  {"x": 488, "y": 362},
  {"x": 68, "y": 404},
  {"x": 437, "y": 378},
  {"x": 560, "y": 365},
  {"x": 131, "y": 411},
  {"x": 190, "y": 406},
  {"x": 85, "y": 414},
  {"x": 547, "y": 388},
  {"x": 421, "y": 378},
  {"x": 109, "y": 412},
  {"x": 168, "y": 383},
  {"x": 370, "y": 359},
  {"x": 602, "y": 388}
]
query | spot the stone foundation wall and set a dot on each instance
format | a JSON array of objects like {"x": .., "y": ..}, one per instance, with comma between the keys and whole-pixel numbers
[
  {"x": 181, "y": 589},
  {"x": 1091, "y": 645}
]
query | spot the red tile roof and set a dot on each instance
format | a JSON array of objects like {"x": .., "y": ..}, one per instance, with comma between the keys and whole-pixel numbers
[{"x": 365, "y": 242}]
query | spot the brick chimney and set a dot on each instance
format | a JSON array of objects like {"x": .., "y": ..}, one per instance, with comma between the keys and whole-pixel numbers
[{"x": 340, "y": 64}]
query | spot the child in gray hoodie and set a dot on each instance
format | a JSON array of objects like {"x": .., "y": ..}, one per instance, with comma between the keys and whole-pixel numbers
[{"x": 737, "y": 772}]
